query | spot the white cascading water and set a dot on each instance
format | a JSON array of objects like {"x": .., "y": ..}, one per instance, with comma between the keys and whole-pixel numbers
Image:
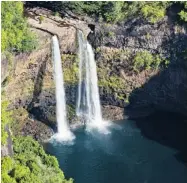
[
  {"x": 88, "y": 102},
  {"x": 63, "y": 130}
]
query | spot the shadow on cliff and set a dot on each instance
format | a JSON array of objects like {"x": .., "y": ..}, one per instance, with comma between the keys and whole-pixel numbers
[
  {"x": 168, "y": 129},
  {"x": 34, "y": 106},
  {"x": 163, "y": 99}
]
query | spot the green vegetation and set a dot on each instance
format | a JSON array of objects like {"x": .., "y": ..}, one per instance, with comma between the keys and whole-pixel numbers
[
  {"x": 117, "y": 11},
  {"x": 20, "y": 117},
  {"x": 113, "y": 82},
  {"x": 183, "y": 13},
  {"x": 112, "y": 11},
  {"x": 70, "y": 112},
  {"x": 146, "y": 60},
  {"x": 107, "y": 11},
  {"x": 120, "y": 10},
  {"x": 56, "y": 14},
  {"x": 90, "y": 8},
  {"x": 148, "y": 36},
  {"x": 143, "y": 60},
  {"x": 16, "y": 37},
  {"x": 70, "y": 68},
  {"x": 123, "y": 96},
  {"x": 111, "y": 34},
  {"x": 31, "y": 164},
  {"x": 41, "y": 18},
  {"x": 114, "y": 54},
  {"x": 154, "y": 11}
]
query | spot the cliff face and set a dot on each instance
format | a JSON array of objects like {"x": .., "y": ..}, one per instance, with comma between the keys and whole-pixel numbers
[
  {"x": 161, "y": 88},
  {"x": 31, "y": 86},
  {"x": 7, "y": 149}
]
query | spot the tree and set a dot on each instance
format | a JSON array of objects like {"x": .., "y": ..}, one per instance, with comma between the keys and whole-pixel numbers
[
  {"x": 15, "y": 33},
  {"x": 183, "y": 13}
]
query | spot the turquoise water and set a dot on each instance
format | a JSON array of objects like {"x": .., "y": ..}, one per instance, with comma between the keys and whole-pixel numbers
[{"x": 124, "y": 155}]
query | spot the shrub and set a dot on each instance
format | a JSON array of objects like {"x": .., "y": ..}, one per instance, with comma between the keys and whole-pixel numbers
[
  {"x": 108, "y": 11},
  {"x": 183, "y": 12},
  {"x": 142, "y": 60},
  {"x": 111, "y": 34},
  {"x": 154, "y": 12},
  {"x": 183, "y": 15},
  {"x": 7, "y": 179},
  {"x": 71, "y": 69},
  {"x": 7, "y": 164},
  {"x": 41, "y": 18},
  {"x": 56, "y": 14},
  {"x": 113, "y": 82},
  {"x": 16, "y": 37},
  {"x": 145, "y": 60},
  {"x": 20, "y": 171},
  {"x": 113, "y": 11},
  {"x": 118, "y": 11},
  {"x": 31, "y": 164},
  {"x": 28, "y": 145}
]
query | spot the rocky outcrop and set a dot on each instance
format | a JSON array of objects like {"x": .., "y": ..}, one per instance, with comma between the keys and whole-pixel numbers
[
  {"x": 37, "y": 130},
  {"x": 64, "y": 28},
  {"x": 7, "y": 149},
  {"x": 148, "y": 90},
  {"x": 166, "y": 91}
]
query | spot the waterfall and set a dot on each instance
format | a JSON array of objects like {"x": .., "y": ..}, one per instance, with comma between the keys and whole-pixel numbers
[
  {"x": 88, "y": 102},
  {"x": 63, "y": 130}
]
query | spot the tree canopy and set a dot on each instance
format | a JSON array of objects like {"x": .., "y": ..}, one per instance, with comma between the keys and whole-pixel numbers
[{"x": 15, "y": 35}]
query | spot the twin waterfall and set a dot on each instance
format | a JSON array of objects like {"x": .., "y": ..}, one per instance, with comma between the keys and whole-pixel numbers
[
  {"x": 63, "y": 132},
  {"x": 88, "y": 103}
]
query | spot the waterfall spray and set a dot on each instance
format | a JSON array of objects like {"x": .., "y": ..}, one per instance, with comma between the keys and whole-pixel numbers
[{"x": 88, "y": 102}]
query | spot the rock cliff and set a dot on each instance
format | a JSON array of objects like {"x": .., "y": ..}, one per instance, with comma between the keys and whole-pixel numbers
[{"x": 123, "y": 91}]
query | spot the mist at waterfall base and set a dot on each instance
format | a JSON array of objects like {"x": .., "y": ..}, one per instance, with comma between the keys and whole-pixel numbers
[
  {"x": 63, "y": 133},
  {"x": 88, "y": 102},
  {"x": 124, "y": 155}
]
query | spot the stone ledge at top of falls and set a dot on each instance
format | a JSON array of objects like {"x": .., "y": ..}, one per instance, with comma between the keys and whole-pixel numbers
[{"x": 64, "y": 28}]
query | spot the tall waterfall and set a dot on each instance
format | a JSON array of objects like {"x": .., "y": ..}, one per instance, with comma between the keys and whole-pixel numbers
[
  {"x": 88, "y": 102},
  {"x": 64, "y": 132}
]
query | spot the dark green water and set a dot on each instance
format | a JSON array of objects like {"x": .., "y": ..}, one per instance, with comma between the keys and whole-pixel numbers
[{"x": 124, "y": 155}]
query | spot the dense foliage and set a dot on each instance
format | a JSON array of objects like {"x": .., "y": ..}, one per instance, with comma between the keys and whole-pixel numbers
[
  {"x": 31, "y": 164},
  {"x": 154, "y": 11},
  {"x": 117, "y": 11},
  {"x": 144, "y": 60},
  {"x": 183, "y": 12},
  {"x": 16, "y": 36}
]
